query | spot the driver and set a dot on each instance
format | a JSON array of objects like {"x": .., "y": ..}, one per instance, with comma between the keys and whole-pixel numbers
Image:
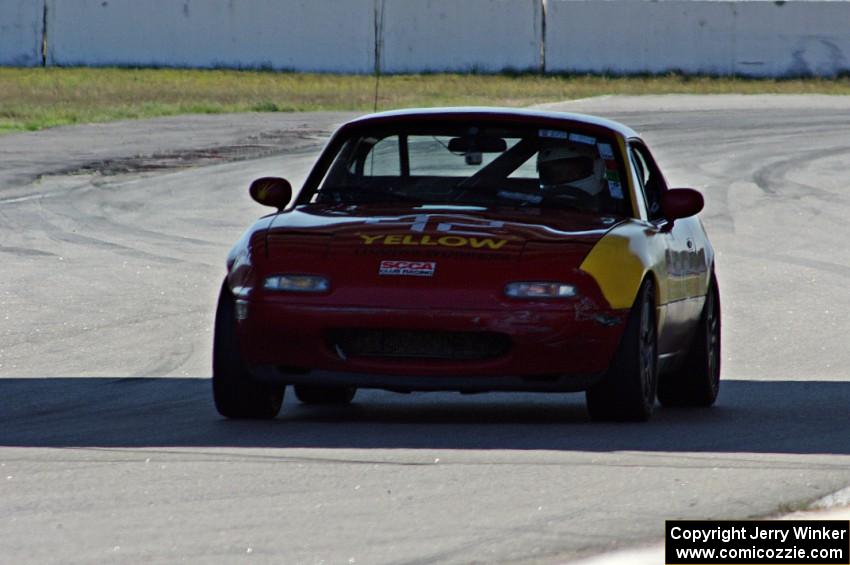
[{"x": 564, "y": 166}]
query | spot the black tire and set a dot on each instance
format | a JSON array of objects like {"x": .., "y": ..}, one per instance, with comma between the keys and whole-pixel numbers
[
  {"x": 236, "y": 395},
  {"x": 325, "y": 395},
  {"x": 698, "y": 381},
  {"x": 627, "y": 393}
]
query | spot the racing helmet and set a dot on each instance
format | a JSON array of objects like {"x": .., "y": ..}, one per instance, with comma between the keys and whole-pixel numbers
[{"x": 565, "y": 165}]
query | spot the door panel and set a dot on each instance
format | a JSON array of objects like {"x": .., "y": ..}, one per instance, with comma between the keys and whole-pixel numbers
[{"x": 676, "y": 320}]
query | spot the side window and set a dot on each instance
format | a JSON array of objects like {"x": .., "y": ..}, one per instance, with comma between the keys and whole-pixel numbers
[
  {"x": 639, "y": 177},
  {"x": 650, "y": 178},
  {"x": 638, "y": 166}
]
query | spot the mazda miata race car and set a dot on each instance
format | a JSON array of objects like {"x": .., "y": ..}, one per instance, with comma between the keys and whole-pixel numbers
[{"x": 473, "y": 250}]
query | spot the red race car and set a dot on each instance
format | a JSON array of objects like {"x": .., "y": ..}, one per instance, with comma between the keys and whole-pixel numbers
[{"x": 472, "y": 250}]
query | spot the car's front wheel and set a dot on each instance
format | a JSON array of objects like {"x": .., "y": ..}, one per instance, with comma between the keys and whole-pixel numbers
[
  {"x": 628, "y": 391},
  {"x": 235, "y": 393}
]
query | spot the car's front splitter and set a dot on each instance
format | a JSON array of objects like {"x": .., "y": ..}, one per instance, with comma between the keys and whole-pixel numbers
[{"x": 407, "y": 383}]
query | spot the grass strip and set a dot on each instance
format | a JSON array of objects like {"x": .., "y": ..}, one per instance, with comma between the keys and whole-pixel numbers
[{"x": 33, "y": 99}]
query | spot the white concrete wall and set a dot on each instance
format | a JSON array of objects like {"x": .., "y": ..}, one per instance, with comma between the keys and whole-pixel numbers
[
  {"x": 307, "y": 35},
  {"x": 754, "y": 37},
  {"x": 455, "y": 35},
  {"x": 758, "y": 38},
  {"x": 20, "y": 32}
]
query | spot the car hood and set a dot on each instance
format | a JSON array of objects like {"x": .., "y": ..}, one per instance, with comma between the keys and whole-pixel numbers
[{"x": 469, "y": 227}]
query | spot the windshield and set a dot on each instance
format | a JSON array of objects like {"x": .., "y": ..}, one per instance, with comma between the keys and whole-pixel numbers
[{"x": 480, "y": 165}]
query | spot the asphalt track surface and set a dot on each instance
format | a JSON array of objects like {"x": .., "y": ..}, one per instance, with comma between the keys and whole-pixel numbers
[{"x": 111, "y": 450}]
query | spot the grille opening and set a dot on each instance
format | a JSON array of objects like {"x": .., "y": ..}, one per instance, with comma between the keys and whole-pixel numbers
[{"x": 414, "y": 344}]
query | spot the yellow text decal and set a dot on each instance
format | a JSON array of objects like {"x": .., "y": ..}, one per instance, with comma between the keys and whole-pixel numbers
[{"x": 427, "y": 240}]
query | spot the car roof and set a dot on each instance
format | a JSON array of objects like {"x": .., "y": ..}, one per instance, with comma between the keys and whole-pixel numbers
[{"x": 493, "y": 113}]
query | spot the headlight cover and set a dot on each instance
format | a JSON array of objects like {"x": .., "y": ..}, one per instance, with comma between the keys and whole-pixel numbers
[
  {"x": 297, "y": 283},
  {"x": 535, "y": 289}
]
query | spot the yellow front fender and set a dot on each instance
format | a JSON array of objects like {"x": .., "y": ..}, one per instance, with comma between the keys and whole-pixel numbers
[{"x": 621, "y": 260}]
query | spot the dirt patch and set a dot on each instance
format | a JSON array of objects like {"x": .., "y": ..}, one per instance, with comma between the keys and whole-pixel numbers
[{"x": 265, "y": 144}]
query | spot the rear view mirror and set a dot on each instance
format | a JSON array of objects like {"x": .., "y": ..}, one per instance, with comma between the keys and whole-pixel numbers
[
  {"x": 477, "y": 144},
  {"x": 681, "y": 203},
  {"x": 271, "y": 191}
]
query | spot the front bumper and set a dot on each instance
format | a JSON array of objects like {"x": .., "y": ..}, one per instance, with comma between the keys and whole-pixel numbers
[{"x": 551, "y": 346}]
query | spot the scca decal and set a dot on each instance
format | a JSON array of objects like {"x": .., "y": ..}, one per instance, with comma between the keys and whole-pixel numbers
[{"x": 444, "y": 241}]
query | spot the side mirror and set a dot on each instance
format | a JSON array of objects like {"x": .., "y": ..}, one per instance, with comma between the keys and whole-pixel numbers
[
  {"x": 271, "y": 191},
  {"x": 681, "y": 203}
]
